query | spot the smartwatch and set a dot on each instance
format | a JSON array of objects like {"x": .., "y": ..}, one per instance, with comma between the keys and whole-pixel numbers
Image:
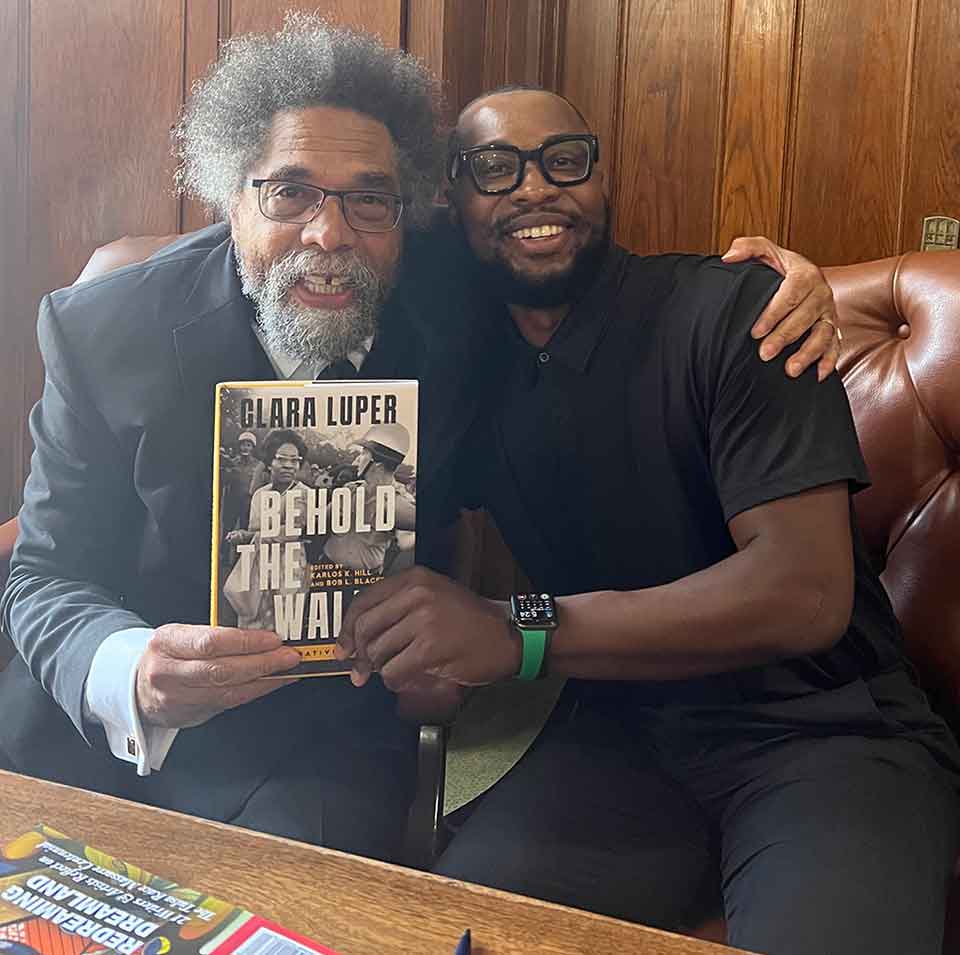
[{"x": 535, "y": 618}]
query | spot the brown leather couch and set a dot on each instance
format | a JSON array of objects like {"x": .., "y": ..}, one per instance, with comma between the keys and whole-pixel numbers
[{"x": 901, "y": 366}]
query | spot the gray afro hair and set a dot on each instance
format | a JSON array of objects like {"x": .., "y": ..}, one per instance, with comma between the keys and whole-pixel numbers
[{"x": 226, "y": 122}]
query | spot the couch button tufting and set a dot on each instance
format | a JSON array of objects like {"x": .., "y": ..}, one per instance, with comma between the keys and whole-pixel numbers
[{"x": 903, "y": 331}]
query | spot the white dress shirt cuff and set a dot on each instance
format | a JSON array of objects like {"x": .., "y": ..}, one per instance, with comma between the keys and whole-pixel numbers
[{"x": 110, "y": 698}]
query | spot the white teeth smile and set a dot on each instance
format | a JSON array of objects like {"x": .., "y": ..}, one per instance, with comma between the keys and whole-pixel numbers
[
  {"x": 324, "y": 285},
  {"x": 538, "y": 232}
]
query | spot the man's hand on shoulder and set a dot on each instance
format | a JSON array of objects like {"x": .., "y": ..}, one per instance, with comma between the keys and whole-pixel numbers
[
  {"x": 803, "y": 303},
  {"x": 189, "y": 674}
]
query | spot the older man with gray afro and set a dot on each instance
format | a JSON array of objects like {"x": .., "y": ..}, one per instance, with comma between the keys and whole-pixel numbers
[
  {"x": 310, "y": 62},
  {"x": 277, "y": 107},
  {"x": 319, "y": 148}
]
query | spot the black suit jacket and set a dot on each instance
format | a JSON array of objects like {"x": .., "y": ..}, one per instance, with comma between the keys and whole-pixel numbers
[{"x": 114, "y": 530}]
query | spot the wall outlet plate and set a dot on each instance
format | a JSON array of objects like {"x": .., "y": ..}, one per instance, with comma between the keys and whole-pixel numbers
[{"x": 940, "y": 234}]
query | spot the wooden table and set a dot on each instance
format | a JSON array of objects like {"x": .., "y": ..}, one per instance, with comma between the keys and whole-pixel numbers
[{"x": 354, "y": 905}]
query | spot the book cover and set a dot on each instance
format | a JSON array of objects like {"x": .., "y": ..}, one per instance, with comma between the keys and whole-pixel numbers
[
  {"x": 59, "y": 896},
  {"x": 314, "y": 491}
]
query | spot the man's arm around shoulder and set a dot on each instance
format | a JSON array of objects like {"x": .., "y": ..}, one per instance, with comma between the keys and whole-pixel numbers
[{"x": 787, "y": 592}]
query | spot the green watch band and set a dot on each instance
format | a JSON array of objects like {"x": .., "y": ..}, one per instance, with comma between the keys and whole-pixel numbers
[{"x": 534, "y": 643}]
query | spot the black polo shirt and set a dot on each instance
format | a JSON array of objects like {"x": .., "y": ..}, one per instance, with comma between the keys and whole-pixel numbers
[{"x": 614, "y": 457}]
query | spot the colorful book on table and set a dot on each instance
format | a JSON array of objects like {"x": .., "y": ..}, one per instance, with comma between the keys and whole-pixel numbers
[{"x": 62, "y": 897}]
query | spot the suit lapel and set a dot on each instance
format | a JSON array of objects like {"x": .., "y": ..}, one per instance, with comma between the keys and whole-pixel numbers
[{"x": 218, "y": 344}]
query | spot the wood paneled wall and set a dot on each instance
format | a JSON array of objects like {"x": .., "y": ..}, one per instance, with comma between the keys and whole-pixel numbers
[
  {"x": 831, "y": 125},
  {"x": 853, "y": 86}
]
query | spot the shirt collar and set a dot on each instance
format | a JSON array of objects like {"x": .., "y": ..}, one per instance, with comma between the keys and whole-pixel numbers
[
  {"x": 579, "y": 334},
  {"x": 286, "y": 366}
]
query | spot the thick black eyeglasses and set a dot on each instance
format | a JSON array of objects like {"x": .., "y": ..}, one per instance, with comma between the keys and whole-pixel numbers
[
  {"x": 497, "y": 169},
  {"x": 365, "y": 210}
]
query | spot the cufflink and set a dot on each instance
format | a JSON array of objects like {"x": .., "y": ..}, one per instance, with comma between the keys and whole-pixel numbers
[{"x": 131, "y": 746}]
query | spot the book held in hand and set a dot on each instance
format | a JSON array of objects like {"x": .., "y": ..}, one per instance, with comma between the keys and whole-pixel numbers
[{"x": 314, "y": 491}]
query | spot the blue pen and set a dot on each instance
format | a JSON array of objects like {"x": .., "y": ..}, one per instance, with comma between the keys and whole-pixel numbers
[{"x": 463, "y": 946}]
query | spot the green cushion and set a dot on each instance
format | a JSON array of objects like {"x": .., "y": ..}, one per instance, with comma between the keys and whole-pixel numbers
[{"x": 493, "y": 730}]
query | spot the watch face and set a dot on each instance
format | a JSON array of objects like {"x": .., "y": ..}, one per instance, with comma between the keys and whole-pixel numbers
[{"x": 534, "y": 611}]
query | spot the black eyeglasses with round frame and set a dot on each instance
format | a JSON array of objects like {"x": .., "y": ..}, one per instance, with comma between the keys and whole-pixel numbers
[
  {"x": 365, "y": 210},
  {"x": 463, "y": 158}
]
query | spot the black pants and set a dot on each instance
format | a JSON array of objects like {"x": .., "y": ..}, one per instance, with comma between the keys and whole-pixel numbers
[
  {"x": 812, "y": 843},
  {"x": 319, "y": 761}
]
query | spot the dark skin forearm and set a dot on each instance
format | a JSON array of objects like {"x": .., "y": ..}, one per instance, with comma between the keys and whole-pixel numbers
[
  {"x": 727, "y": 617},
  {"x": 786, "y": 592}
]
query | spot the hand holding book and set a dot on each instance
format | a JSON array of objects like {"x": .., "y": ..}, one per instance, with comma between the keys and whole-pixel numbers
[
  {"x": 421, "y": 624},
  {"x": 189, "y": 674}
]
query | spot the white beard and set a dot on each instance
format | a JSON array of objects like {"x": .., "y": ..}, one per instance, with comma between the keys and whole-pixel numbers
[{"x": 313, "y": 334}]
